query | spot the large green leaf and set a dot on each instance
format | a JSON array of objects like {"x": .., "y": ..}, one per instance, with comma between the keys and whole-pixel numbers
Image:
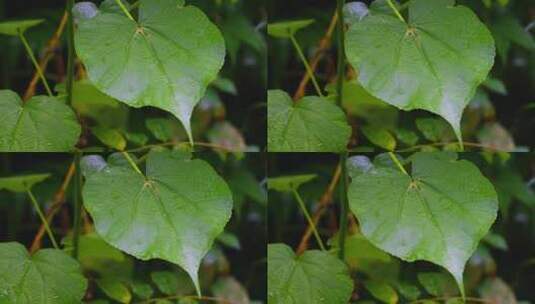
[
  {"x": 439, "y": 213},
  {"x": 433, "y": 62},
  {"x": 42, "y": 124},
  {"x": 12, "y": 28},
  {"x": 312, "y": 124},
  {"x": 174, "y": 212},
  {"x": 312, "y": 278},
  {"x": 165, "y": 59},
  {"x": 49, "y": 276},
  {"x": 21, "y": 183}
]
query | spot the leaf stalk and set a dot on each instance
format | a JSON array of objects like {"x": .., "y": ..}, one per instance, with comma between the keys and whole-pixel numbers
[
  {"x": 397, "y": 162},
  {"x": 34, "y": 61},
  {"x": 125, "y": 11},
  {"x": 393, "y": 7},
  {"x": 307, "y": 66},
  {"x": 309, "y": 219},
  {"x": 43, "y": 219}
]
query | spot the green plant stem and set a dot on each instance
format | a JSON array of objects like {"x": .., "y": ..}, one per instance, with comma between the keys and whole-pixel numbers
[
  {"x": 125, "y": 11},
  {"x": 309, "y": 219},
  {"x": 34, "y": 61},
  {"x": 70, "y": 51},
  {"x": 43, "y": 219},
  {"x": 344, "y": 206},
  {"x": 341, "y": 67},
  {"x": 77, "y": 189},
  {"x": 393, "y": 7},
  {"x": 132, "y": 162},
  {"x": 307, "y": 66},
  {"x": 397, "y": 162}
]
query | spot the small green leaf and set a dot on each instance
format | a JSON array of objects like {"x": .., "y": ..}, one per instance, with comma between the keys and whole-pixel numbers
[
  {"x": 166, "y": 281},
  {"x": 438, "y": 284},
  {"x": 495, "y": 240},
  {"x": 42, "y": 124},
  {"x": 359, "y": 103},
  {"x": 154, "y": 215},
  {"x": 225, "y": 85},
  {"x": 439, "y": 213},
  {"x": 314, "y": 277},
  {"x": 433, "y": 62},
  {"x": 312, "y": 124},
  {"x": 142, "y": 290},
  {"x": 89, "y": 102},
  {"x": 230, "y": 240},
  {"x": 495, "y": 85},
  {"x": 21, "y": 183},
  {"x": 161, "y": 128},
  {"x": 435, "y": 129},
  {"x": 382, "y": 291},
  {"x": 12, "y": 28},
  {"x": 289, "y": 183},
  {"x": 114, "y": 289},
  {"x": 49, "y": 276},
  {"x": 380, "y": 137},
  {"x": 166, "y": 59},
  {"x": 110, "y": 137},
  {"x": 287, "y": 29}
]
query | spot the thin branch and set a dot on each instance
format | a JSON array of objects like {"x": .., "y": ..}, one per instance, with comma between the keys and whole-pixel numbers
[
  {"x": 43, "y": 219},
  {"x": 49, "y": 54},
  {"x": 34, "y": 61},
  {"x": 309, "y": 219},
  {"x": 324, "y": 44},
  {"x": 59, "y": 199},
  {"x": 307, "y": 67},
  {"x": 324, "y": 201}
]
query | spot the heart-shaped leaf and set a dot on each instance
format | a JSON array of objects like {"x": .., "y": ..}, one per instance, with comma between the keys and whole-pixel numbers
[
  {"x": 313, "y": 124},
  {"x": 312, "y": 278},
  {"x": 433, "y": 62},
  {"x": 438, "y": 214},
  {"x": 49, "y": 276},
  {"x": 42, "y": 124},
  {"x": 166, "y": 59},
  {"x": 13, "y": 28},
  {"x": 174, "y": 212},
  {"x": 21, "y": 183}
]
